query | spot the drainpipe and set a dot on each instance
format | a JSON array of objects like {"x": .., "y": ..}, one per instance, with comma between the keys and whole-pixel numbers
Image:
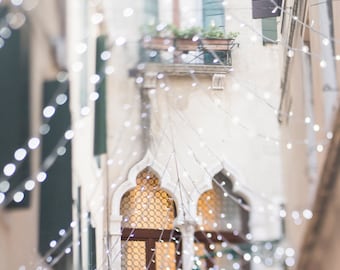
[
  {"x": 330, "y": 89},
  {"x": 175, "y": 13},
  {"x": 311, "y": 136}
]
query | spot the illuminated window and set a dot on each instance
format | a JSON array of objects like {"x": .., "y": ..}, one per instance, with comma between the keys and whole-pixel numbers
[
  {"x": 224, "y": 224},
  {"x": 148, "y": 236}
]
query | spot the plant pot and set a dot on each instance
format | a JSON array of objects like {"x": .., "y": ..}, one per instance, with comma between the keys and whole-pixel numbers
[
  {"x": 182, "y": 44},
  {"x": 157, "y": 43},
  {"x": 218, "y": 44}
]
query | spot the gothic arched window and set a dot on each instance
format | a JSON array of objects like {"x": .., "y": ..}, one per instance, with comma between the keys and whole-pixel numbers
[
  {"x": 148, "y": 235},
  {"x": 224, "y": 223}
]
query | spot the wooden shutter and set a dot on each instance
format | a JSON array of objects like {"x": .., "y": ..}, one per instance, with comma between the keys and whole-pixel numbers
[
  {"x": 14, "y": 105},
  {"x": 92, "y": 245},
  {"x": 100, "y": 105},
  {"x": 269, "y": 30},
  {"x": 265, "y": 8},
  {"x": 56, "y": 190}
]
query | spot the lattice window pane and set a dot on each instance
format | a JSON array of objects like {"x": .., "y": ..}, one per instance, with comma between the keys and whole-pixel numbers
[
  {"x": 147, "y": 206},
  {"x": 219, "y": 211},
  {"x": 165, "y": 256},
  {"x": 224, "y": 258},
  {"x": 133, "y": 255},
  {"x": 200, "y": 257}
]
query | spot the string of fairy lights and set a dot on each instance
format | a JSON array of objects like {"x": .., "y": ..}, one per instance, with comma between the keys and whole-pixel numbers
[{"x": 48, "y": 112}]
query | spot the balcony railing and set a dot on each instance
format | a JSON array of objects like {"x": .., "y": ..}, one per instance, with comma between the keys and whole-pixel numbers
[{"x": 201, "y": 51}]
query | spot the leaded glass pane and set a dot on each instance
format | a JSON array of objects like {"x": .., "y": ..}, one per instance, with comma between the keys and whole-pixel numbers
[
  {"x": 147, "y": 206},
  {"x": 165, "y": 256},
  {"x": 133, "y": 255},
  {"x": 219, "y": 209}
]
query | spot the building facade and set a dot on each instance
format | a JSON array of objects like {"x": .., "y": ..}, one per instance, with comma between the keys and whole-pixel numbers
[
  {"x": 186, "y": 123},
  {"x": 165, "y": 155},
  {"x": 309, "y": 128}
]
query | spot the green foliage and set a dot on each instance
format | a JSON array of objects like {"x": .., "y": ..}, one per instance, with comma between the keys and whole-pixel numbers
[
  {"x": 159, "y": 30},
  {"x": 214, "y": 32},
  {"x": 187, "y": 32},
  {"x": 232, "y": 35},
  {"x": 169, "y": 30}
]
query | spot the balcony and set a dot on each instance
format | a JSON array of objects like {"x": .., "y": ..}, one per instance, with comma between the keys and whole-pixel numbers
[
  {"x": 188, "y": 51},
  {"x": 185, "y": 52}
]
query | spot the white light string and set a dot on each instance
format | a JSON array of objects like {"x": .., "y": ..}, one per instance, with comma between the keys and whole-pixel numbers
[
  {"x": 20, "y": 154},
  {"x": 306, "y": 213},
  {"x": 288, "y": 143},
  {"x": 29, "y": 183},
  {"x": 281, "y": 213},
  {"x": 225, "y": 239}
]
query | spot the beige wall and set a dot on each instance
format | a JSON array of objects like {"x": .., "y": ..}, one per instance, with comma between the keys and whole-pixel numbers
[
  {"x": 195, "y": 117},
  {"x": 19, "y": 227},
  {"x": 303, "y": 164}
]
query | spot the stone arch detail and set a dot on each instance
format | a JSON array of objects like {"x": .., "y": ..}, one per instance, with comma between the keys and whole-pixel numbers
[
  {"x": 164, "y": 179},
  {"x": 238, "y": 182}
]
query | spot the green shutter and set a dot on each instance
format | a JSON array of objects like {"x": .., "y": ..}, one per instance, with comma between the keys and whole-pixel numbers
[
  {"x": 14, "y": 105},
  {"x": 92, "y": 245},
  {"x": 79, "y": 228},
  {"x": 100, "y": 104},
  {"x": 269, "y": 30},
  {"x": 56, "y": 190},
  {"x": 213, "y": 11}
]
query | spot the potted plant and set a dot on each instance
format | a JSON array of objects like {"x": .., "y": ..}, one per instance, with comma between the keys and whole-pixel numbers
[
  {"x": 214, "y": 38},
  {"x": 186, "y": 39},
  {"x": 157, "y": 37},
  {"x": 210, "y": 42}
]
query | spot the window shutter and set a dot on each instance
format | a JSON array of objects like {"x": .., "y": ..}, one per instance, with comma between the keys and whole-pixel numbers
[
  {"x": 265, "y": 8},
  {"x": 92, "y": 245},
  {"x": 213, "y": 11},
  {"x": 269, "y": 30},
  {"x": 100, "y": 104},
  {"x": 14, "y": 106},
  {"x": 56, "y": 191}
]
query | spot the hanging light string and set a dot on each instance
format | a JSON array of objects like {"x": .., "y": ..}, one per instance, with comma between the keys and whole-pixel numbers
[
  {"x": 55, "y": 245},
  {"x": 296, "y": 18},
  {"x": 280, "y": 213},
  {"x": 135, "y": 211},
  {"x": 217, "y": 56},
  {"x": 169, "y": 140},
  {"x": 236, "y": 120},
  {"x": 260, "y": 196},
  {"x": 289, "y": 143},
  {"x": 10, "y": 22},
  {"x": 30, "y": 182},
  {"x": 319, "y": 147},
  {"x": 21, "y": 153},
  {"x": 171, "y": 126},
  {"x": 236, "y": 248},
  {"x": 243, "y": 254},
  {"x": 284, "y": 42},
  {"x": 200, "y": 164},
  {"x": 253, "y": 93}
]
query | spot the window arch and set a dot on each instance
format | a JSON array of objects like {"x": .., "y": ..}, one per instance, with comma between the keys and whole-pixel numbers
[
  {"x": 149, "y": 238},
  {"x": 224, "y": 223}
]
